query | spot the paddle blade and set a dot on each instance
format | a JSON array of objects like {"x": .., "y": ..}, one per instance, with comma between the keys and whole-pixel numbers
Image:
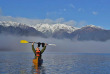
[
  {"x": 24, "y": 41},
  {"x": 52, "y": 44}
]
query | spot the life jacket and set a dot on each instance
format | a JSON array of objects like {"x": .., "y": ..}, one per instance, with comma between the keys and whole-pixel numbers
[{"x": 37, "y": 53}]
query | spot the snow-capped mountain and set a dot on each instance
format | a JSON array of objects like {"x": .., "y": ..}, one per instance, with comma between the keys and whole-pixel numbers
[
  {"x": 91, "y": 32},
  {"x": 92, "y": 26},
  {"x": 47, "y": 29},
  {"x": 14, "y": 24},
  {"x": 40, "y": 27},
  {"x": 53, "y": 28},
  {"x": 8, "y": 27},
  {"x": 60, "y": 31}
]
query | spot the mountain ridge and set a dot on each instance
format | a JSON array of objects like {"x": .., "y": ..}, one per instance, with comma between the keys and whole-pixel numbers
[{"x": 59, "y": 31}]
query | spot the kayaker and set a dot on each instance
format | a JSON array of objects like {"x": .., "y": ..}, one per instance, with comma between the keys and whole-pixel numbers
[{"x": 38, "y": 52}]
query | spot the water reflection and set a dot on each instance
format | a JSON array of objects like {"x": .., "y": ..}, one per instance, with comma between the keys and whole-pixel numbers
[
  {"x": 38, "y": 70},
  {"x": 21, "y": 63}
]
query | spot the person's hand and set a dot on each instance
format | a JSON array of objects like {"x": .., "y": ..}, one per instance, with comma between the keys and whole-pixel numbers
[
  {"x": 46, "y": 44},
  {"x": 33, "y": 43}
]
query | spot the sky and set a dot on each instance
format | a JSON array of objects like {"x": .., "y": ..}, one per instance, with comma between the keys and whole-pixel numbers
[{"x": 79, "y": 12}]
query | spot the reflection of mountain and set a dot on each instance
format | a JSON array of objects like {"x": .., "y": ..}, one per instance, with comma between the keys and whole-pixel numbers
[{"x": 59, "y": 31}]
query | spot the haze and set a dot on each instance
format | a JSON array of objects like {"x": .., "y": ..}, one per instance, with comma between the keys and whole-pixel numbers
[{"x": 12, "y": 43}]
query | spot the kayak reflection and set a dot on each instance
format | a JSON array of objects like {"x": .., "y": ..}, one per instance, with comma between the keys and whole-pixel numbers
[{"x": 38, "y": 69}]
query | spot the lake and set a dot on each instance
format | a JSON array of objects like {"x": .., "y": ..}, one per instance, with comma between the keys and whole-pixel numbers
[{"x": 55, "y": 63}]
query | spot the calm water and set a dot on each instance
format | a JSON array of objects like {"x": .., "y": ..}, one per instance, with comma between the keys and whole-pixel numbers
[{"x": 55, "y": 63}]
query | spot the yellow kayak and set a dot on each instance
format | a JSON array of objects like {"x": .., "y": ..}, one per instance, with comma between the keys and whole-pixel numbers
[{"x": 37, "y": 62}]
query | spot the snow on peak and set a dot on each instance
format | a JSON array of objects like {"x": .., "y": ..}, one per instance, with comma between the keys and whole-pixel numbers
[
  {"x": 40, "y": 27},
  {"x": 93, "y": 26},
  {"x": 49, "y": 28},
  {"x": 14, "y": 24},
  {"x": 55, "y": 27},
  {"x": 8, "y": 23}
]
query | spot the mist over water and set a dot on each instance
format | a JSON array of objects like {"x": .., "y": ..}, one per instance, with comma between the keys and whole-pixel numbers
[{"x": 12, "y": 43}]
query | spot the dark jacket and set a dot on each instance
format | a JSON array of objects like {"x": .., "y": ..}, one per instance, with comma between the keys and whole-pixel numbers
[{"x": 40, "y": 51}]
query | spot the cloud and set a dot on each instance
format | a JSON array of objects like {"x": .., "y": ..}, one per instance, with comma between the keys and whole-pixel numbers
[
  {"x": 71, "y": 5},
  {"x": 36, "y": 21},
  {"x": 64, "y": 9},
  {"x": 71, "y": 23},
  {"x": 94, "y": 13},
  {"x": 81, "y": 10},
  {"x": 81, "y": 23},
  {"x": 31, "y": 22},
  {"x": 25, "y": 20},
  {"x": 12, "y": 43},
  {"x": 60, "y": 20}
]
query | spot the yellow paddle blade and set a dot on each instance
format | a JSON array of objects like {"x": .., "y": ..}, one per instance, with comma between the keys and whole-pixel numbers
[{"x": 24, "y": 41}]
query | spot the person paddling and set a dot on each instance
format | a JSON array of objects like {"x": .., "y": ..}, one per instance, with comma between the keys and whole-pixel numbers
[{"x": 38, "y": 52}]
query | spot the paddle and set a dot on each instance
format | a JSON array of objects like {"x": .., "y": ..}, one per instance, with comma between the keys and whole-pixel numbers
[{"x": 24, "y": 41}]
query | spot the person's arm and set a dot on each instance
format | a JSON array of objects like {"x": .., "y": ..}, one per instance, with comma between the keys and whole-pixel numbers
[
  {"x": 33, "y": 49},
  {"x": 43, "y": 48}
]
